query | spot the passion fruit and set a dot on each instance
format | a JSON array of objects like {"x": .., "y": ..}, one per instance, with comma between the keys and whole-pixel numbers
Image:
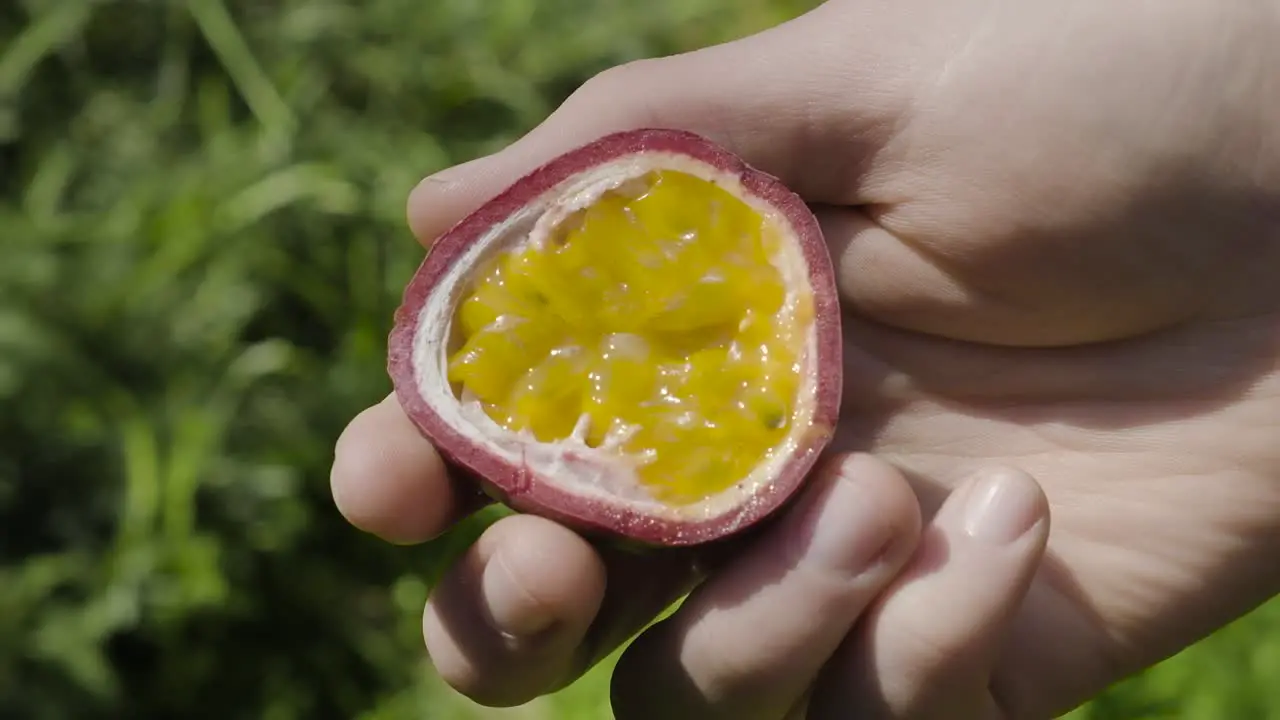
[{"x": 639, "y": 339}]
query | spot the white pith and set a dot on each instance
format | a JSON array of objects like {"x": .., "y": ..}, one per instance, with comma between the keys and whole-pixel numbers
[{"x": 602, "y": 473}]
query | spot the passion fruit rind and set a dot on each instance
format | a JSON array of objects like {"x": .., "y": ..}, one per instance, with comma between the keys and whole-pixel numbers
[{"x": 572, "y": 482}]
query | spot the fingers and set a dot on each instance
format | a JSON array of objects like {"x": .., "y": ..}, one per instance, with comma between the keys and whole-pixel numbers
[
  {"x": 389, "y": 481},
  {"x": 532, "y": 606},
  {"x": 927, "y": 648},
  {"x": 791, "y": 100},
  {"x": 503, "y": 625},
  {"x": 748, "y": 642}
]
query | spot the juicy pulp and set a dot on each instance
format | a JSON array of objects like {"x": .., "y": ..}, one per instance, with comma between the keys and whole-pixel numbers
[{"x": 656, "y": 322}]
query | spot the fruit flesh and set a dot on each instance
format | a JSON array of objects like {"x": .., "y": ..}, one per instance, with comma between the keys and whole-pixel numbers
[{"x": 655, "y": 322}]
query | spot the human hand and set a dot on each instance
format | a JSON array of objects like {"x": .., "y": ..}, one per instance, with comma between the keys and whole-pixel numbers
[{"x": 1056, "y": 226}]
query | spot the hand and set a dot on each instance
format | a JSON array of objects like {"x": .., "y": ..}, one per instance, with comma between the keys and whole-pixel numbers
[{"x": 1056, "y": 227}]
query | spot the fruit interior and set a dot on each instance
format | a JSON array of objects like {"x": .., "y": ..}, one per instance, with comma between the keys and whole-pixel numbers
[{"x": 653, "y": 324}]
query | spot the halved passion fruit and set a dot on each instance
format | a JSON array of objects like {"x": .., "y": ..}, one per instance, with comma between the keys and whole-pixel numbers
[{"x": 641, "y": 339}]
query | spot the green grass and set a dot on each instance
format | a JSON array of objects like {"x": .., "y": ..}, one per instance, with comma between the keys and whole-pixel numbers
[{"x": 201, "y": 219}]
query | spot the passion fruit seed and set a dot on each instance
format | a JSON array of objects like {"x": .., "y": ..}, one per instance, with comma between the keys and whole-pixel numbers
[{"x": 655, "y": 322}]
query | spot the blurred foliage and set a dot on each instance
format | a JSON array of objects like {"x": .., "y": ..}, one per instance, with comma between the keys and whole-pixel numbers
[{"x": 201, "y": 245}]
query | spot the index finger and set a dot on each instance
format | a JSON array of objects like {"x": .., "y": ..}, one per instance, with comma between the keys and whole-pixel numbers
[{"x": 389, "y": 481}]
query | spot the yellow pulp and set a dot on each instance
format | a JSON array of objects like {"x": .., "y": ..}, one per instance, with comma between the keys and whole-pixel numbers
[{"x": 656, "y": 312}]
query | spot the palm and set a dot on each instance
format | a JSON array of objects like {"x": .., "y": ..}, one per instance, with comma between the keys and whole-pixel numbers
[
  {"x": 1146, "y": 493},
  {"x": 1113, "y": 332}
]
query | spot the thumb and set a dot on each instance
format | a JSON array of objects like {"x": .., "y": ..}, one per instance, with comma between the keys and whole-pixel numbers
[{"x": 794, "y": 101}]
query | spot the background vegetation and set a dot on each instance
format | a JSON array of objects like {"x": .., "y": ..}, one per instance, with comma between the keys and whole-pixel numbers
[{"x": 201, "y": 244}]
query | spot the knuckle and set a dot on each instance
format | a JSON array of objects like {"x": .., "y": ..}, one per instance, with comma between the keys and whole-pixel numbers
[
  {"x": 617, "y": 77},
  {"x": 614, "y": 87}
]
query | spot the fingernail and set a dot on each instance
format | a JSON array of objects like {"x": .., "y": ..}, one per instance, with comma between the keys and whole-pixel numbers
[
  {"x": 848, "y": 530},
  {"x": 512, "y": 611},
  {"x": 1002, "y": 507}
]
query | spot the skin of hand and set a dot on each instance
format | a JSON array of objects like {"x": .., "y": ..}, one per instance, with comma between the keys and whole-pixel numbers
[{"x": 1056, "y": 227}]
